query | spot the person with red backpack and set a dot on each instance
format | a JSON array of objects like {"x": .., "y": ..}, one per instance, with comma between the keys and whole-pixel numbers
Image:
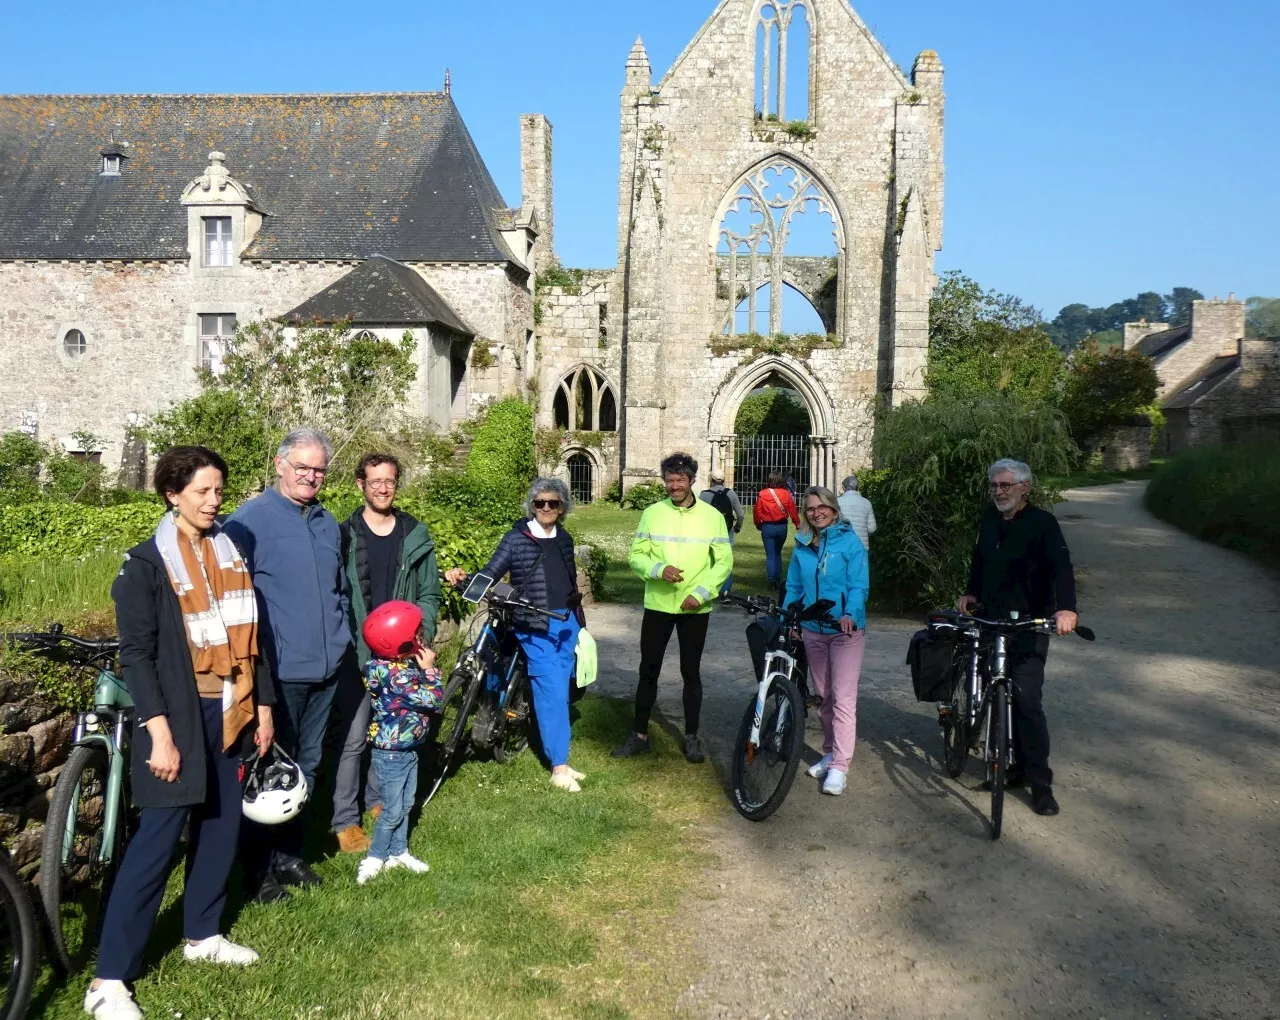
[
  {"x": 774, "y": 507},
  {"x": 724, "y": 499}
]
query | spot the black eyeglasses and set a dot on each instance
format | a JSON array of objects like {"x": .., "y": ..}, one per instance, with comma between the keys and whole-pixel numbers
[
  {"x": 547, "y": 504},
  {"x": 1003, "y": 486}
]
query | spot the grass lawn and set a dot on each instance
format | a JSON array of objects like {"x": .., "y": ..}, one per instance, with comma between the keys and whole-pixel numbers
[
  {"x": 611, "y": 528},
  {"x": 37, "y": 591},
  {"x": 538, "y": 904},
  {"x": 1082, "y": 479}
]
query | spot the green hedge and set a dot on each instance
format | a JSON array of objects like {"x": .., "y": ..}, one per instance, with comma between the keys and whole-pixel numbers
[
  {"x": 502, "y": 453},
  {"x": 1224, "y": 494},
  {"x": 644, "y": 495},
  {"x": 51, "y": 528}
]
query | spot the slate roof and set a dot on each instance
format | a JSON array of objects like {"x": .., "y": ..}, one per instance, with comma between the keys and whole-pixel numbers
[
  {"x": 1206, "y": 378},
  {"x": 1153, "y": 345},
  {"x": 339, "y": 176},
  {"x": 380, "y": 292}
]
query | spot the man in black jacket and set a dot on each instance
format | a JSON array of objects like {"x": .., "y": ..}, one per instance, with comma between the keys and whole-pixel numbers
[{"x": 1021, "y": 564}]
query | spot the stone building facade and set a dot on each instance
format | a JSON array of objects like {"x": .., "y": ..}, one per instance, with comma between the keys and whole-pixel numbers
[
  {"x": 137, "y": 232},
  {"x": 716, "y": 161}
]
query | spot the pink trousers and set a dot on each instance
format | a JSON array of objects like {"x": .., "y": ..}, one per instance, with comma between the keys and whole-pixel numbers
[{"x": 835, "y": 661}]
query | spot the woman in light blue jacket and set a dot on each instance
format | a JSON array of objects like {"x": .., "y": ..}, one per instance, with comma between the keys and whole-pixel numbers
[{"x": 829, "y": 561}]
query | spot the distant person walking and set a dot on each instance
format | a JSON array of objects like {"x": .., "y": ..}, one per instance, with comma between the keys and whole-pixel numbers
[
  {"x": 682, "y": 551},
  {"x": 727, "y": 502},
  {"x": 857, "y": 510},
  {"x": 774, "y": 507}
]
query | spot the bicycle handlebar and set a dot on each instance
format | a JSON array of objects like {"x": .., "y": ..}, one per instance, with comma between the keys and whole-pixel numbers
[
  {"x": 1044, "y": 625},
  {"x": 48, "y": 640},
  {"x": 765, "y": 606},
  {"x": 504, "y": 596}
]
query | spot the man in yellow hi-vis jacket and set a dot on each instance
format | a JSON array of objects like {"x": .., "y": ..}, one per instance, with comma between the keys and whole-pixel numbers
[{"x": 683, "y": 552}]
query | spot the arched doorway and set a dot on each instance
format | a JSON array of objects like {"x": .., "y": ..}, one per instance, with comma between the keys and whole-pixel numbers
[{"x": 581, "y": 477}]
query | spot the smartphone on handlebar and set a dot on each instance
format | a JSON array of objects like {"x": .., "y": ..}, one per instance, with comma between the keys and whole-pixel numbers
[{"x": 478, "y": 586}]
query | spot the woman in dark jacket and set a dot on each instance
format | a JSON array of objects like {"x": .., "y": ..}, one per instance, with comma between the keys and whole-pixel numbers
[
  {"x": 187, "y": 617},
  {"x": 538, "y": 553}
]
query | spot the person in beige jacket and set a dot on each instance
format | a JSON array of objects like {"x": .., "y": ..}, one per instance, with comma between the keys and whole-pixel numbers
[{"x": 857, "y": 510}]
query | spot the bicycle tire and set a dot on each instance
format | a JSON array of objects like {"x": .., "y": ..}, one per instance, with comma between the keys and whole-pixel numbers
[
  {"x": 19, "y": 943},
  {"x": 512, "y": 733},
  {"x": 762, "y": 777},
  {"x": 455, "y": 710},
  {"x": 955, "y": 730},
  {"x": 998, "y": 753},
  {"x": 74, "y": 890}
]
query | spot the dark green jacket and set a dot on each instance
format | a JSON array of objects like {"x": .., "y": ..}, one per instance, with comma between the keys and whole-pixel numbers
[{"x": 417, "y": 580}]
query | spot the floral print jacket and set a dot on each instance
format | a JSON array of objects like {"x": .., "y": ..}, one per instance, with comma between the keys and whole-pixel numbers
[{"x": 403, "y": 693}]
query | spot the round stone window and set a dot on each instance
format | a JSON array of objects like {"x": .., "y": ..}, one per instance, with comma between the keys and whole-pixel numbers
[{"x": 74, "y": 345}]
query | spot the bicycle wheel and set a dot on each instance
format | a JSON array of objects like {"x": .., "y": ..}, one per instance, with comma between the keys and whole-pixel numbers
[
  {"x": 74, "y": 880},
  {"x": 997, "y": 754},
  {"x": 451, "y": 728},
  {"x": 954, "y": 723},
  {"x": 512, "y": 734},
  {"x": 19, "y": 943},
  {"x": 762, "y": 776}
]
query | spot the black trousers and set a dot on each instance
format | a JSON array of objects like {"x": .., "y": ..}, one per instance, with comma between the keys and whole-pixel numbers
[
  {"x": 144, "y": 872},
  {"x": 1027, "y": 656},
  {"x": 655, "y": 633}
]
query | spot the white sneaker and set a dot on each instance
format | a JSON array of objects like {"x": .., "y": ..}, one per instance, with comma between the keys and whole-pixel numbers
[
  {"x": 834, "y": 783},
  {"x": 578, "y": 776},
  {"x": 369, "y": 868},
  {"x": 819, "y": 769},
  {"x": 565, "y": 781},
  {"x": 407, "y": 860},
  {"x": 217, "y": 949},
  {"x": 111, "y": 1000}
]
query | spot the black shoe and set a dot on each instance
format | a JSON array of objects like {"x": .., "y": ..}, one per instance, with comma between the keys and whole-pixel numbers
[
  {"x": 1042, "y": 802},
  {"x": 693, "y": 749},
  {"x": 295, "y": 872},
  {"x": 268, "y": 890},
  {"x": 635, "y": 745}
]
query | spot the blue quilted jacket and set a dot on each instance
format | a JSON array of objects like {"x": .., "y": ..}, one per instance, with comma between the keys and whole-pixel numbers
[{"x": 520, "y": 555}]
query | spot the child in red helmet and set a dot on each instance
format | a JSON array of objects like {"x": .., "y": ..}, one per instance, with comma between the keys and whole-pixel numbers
[{"x": 405, "y": 685}]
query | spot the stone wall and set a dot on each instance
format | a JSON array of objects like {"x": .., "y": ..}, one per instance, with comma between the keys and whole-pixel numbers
[
  {"x": 140, "y": 322},
  {"x": 1128, "y": 448},
  {"x": 35, "y": 739},
  {"x": 1216, "y": 329},
  {"x": 1245, "y": 403}
]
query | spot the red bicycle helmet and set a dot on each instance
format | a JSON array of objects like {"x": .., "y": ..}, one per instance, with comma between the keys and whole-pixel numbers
[{"x": 391, "y": 630}]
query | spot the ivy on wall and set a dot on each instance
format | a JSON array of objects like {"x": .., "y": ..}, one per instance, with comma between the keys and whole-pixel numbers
[{"x": 797, "y": 345}]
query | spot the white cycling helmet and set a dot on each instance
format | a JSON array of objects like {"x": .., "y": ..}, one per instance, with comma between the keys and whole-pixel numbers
[{"x": 276, "y": 788}]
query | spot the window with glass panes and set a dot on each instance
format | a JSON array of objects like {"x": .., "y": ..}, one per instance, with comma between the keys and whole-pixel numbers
[
  {"x": 215, "y": 331},
  {"x": 217, "y": 241}
]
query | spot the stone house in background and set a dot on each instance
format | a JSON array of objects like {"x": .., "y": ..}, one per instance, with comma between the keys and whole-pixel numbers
[
  {"x": 1215, "y": 385},
  {"x": 136, "y": 232},
  {"x": 774, "y": 114}
]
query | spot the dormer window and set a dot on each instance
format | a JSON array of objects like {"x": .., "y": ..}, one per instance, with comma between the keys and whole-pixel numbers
[
  {"x": 217, "y": 241},
  {"x": 112, "y": 160}
]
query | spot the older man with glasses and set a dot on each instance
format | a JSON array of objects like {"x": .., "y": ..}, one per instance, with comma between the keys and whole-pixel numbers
[
  {"x": 1021, "y": 564},
  {"x": 293, "y": 550}
]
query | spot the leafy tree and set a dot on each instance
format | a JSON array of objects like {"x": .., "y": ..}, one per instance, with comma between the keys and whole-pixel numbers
[
  {"x": 274, "y": 378},
  {"x": 774, "y": 412},
  {"x": 984, "y": 342},
  {"x": 21, "y": 458},
  {"x": 502, "y": 453},
  {"x": 1071, "y": 325},
  {"x": 1105, "y": 389},
  {"x": 1262, "y": 317},
  {"x": 1180, "y": 300}
]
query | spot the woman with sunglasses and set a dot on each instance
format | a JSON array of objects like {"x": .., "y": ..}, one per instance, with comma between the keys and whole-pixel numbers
[{"x": 538, "y": 553}]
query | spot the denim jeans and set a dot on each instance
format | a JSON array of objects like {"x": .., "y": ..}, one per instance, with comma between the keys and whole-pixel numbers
[
  {"x": 397, "y": 773},
  {"x": 774, "y": 536}
]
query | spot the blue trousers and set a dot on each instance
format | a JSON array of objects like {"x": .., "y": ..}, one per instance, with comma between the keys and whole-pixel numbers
[
  {"x": 550, "y": 659},
  {"x": 397, "y": 773},
  {"x": 144, "y": 872},
  {"x": 774, "y": 536}
]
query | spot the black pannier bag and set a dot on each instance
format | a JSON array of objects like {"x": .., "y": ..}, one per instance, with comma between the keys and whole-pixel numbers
[{"x": 931, "y": 658}]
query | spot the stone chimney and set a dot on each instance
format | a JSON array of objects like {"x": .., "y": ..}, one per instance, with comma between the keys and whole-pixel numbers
[
  {"x": 1217, "y": 326},
  {"x": 536, "y": 183},
  {"x": 1136, "y": 332}
]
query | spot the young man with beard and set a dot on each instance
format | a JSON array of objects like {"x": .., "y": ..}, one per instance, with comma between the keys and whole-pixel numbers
[{"x": 388, "y": 555}]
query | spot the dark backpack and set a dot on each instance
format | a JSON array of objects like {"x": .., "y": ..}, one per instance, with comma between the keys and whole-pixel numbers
[
  {"x": 931, "y": 658},
  {"x": 720, "y": 500}
]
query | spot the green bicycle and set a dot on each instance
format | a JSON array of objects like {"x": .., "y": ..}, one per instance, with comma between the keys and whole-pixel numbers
[{"x": 90, "y": 817}]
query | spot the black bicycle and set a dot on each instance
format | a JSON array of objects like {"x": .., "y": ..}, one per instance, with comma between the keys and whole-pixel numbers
[
  {"x": 978, "y": 716},
  {"x": 19, "y": 942},
  {"x": 488, "y": 704},
  {"x": 771, "y": 735},
  {"x": 90, "y": 815}
]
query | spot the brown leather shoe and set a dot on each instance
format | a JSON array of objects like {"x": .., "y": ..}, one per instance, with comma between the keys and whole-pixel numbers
[
  {"x": 375, "y": 811},
  {"x": 352, "y": 840}
]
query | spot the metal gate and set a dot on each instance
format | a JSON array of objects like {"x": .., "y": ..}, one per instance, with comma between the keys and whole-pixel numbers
[
  {"x": 581, "y": 482},
  {"x": 756, "y": 457}
]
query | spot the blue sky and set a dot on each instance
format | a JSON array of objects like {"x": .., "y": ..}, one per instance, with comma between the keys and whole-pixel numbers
[{"x": 1094, "y": 149}]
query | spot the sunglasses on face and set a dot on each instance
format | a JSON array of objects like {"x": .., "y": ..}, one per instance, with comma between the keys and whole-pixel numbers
[{"x": 547, "y": 504}]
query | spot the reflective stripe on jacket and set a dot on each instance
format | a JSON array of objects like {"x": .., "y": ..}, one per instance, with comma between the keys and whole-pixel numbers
[
  {"x": 693, "y": 539},
  {"x": 830, "y": 565}
]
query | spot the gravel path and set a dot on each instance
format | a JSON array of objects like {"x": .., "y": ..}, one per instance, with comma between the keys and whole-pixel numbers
[{"x": 1155, "y": 893}]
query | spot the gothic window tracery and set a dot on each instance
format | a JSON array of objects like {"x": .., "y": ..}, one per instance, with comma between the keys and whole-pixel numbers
[
  {"x": 778, "y": 207},
  {"x": 585, "y": 402},
  {"x": 783, "y": 35}
]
